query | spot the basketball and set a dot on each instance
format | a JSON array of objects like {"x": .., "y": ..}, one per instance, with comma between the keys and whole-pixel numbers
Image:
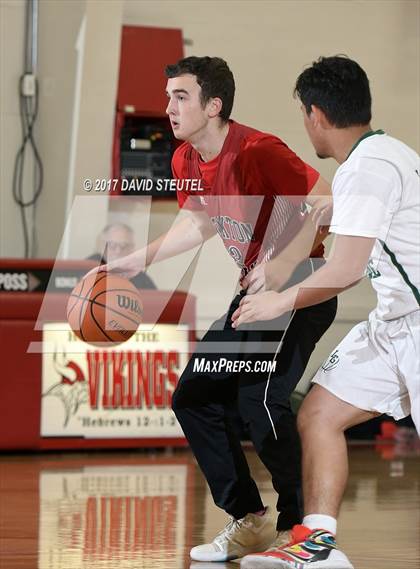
[{"x": 104, "y": 308}]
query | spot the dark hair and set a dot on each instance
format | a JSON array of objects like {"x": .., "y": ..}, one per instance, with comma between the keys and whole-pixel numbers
[
  {"x": 339, "y": 87},
  {"x": 214, "y": 77}
]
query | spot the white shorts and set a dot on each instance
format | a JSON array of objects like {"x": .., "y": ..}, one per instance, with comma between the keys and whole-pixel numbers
[{"x": 376, "y": 367}]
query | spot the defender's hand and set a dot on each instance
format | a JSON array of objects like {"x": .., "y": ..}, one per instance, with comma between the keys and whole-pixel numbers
[
  {"x": 255, "y": 280},
  {"x": 267, "y": 276},
  {"x": 322, "y": 215},
  {"x": 263, "y": 306}
]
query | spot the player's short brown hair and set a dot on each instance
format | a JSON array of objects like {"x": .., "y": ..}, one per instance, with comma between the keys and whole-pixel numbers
[{"x": 214, "y": 77}]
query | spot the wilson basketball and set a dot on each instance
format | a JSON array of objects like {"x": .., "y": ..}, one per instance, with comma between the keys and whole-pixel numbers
[{"x": 104, "y": 308}]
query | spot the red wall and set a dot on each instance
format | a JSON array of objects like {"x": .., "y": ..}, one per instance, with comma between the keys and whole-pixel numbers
[{"x": 145, "y": 52}]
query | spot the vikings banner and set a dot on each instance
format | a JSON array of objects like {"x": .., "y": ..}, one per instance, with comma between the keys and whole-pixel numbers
[{"x": 123, "y": 391}]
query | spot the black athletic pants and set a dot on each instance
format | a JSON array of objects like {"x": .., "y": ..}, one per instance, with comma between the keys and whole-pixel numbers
[{"x": 203, "y": 403}]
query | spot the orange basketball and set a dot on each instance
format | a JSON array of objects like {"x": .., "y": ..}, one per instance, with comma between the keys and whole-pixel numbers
[{"x": 104, "y": 308}]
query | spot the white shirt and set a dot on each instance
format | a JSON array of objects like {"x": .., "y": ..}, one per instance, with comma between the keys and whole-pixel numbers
[{"x": 376, "y": 193}]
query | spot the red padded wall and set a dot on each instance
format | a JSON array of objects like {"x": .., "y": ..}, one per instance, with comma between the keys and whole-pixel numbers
[
  {"x": 145, "y": 52},
  {"x": 20, "y": 376}
]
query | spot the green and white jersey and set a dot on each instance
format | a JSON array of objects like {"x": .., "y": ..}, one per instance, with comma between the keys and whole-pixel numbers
[{"x": 376, "y": 193}]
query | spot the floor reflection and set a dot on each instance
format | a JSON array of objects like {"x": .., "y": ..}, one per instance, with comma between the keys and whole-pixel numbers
[{"x": 114, "y": 515}]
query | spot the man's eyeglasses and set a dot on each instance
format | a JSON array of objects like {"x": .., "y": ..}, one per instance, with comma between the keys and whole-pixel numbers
[{"x": 118, "y": 245}]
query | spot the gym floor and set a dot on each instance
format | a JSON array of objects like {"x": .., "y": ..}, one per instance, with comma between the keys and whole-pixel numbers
[{"x": 145, "y": 510}]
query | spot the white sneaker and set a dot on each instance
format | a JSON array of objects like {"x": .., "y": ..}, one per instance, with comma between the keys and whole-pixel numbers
[{"x": 248, "y": 535}]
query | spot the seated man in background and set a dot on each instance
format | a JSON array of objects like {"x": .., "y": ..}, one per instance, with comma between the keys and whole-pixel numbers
[{"x": 116, "y": 240}]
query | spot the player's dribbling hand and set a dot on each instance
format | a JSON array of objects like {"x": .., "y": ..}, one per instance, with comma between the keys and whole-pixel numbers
[
  {"x": 263, "y": 306},
  {"x": 127, "y": 267}
]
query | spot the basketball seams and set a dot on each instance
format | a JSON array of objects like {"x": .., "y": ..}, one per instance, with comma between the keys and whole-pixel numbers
[
  {"x": 82, "y": 312},
  {"x": 115, "y": 312},
  {"x": 98, "y": 281},
  {"x": 98, "y": 325},
  {"x": 79, "y": 296},
  {"x": 121, "y": 322},
  {"x": 93, "y": 322},
  {"x": 94, "y": 301},
  {"x": 85, "y": 299},
  {"x": 82, "y": 308},
  {"x": 72, "y": 308},
  {"x": 82, "y": 282}
]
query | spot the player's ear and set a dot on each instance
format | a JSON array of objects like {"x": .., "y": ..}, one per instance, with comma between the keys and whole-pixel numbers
[
  {"x": 318, "y": 117},
  {"x": 214, "y": 107}
]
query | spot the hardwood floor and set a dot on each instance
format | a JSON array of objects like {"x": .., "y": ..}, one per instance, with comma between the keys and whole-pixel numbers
[{"x": 145, "y": 510}]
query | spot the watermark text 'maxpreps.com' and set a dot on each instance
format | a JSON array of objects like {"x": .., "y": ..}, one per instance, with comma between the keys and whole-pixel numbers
[{"x": 204, "y": 365}]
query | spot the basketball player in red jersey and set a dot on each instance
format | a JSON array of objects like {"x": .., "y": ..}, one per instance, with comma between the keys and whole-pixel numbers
[{"x": 254, "y": 187}]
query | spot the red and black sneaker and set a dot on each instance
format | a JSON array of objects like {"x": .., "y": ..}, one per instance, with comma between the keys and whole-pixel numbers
[{"x": 308, "y": 549}]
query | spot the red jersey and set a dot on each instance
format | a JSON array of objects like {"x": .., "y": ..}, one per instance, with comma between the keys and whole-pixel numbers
[{"x": 253, "y": 192}]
